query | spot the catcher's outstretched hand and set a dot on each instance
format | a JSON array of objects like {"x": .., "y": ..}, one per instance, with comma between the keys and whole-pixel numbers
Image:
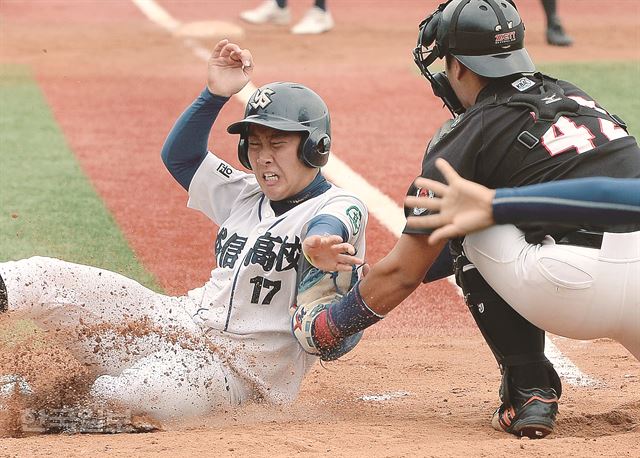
[
  {"x": 329, "y": 253},
  {"x": 229, "y": 69},
  {"x": 464, "y": 206}
]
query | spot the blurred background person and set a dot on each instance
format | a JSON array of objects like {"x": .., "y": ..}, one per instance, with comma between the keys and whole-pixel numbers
[
  {"x": 316, "y": 20},
  {"x": 556, "y": 35}
]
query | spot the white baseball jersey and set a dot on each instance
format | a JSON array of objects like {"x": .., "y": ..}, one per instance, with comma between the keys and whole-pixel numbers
[{"x": 244, "y": 307}]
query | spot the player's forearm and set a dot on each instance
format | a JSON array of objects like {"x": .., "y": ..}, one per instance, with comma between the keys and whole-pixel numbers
[
  {"x": 186, "y": 145},
  {"x": 589, "y": 201},
  {"x": 363, "y": 306},
  {"x": 388, "y": 283}
]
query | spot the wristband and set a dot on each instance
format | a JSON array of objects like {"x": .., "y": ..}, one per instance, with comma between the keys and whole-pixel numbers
[{"x": 350, "y": 314}]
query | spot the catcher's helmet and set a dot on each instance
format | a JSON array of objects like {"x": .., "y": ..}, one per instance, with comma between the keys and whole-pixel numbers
[
  {"x": 487, "y": 36},
  {"x": 290, "y": 107}
]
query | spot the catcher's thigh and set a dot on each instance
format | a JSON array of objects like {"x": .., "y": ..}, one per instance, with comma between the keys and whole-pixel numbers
[
  {"x": 576, "y": 292},
  {"x": 174, "y": 383}
]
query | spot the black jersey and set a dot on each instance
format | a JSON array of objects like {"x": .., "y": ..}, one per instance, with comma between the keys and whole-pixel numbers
[{"x": 483, "y": 144}]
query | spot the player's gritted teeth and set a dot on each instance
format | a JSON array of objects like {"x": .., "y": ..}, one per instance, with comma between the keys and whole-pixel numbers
[{"x": 273, "y": 155}]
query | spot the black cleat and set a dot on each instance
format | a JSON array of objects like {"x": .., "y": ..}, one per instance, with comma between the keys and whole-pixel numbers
[
  {"x": 533, "y": 415},
  {"x": 4, "y": 299},
  {"x": 556, "y": 35}
]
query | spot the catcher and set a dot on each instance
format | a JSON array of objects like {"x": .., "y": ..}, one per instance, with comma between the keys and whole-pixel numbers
[
  {"x": 512, "y": 126},
  {"x": 280, "y": 228}
]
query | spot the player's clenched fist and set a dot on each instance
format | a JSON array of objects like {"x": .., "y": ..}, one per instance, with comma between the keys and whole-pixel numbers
[{"x": 229, "y": 68}]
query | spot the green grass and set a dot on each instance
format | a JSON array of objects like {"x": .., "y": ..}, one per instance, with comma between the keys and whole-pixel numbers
[
  {"x": 614, "y": 85},
  {"x": 47, "y": 205}
]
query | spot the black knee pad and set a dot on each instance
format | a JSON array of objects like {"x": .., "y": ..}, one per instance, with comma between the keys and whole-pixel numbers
[{"x": 504, "y": 329}]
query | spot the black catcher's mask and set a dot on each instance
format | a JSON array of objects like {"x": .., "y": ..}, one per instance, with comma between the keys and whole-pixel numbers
[{"x": 487, "y": 36}]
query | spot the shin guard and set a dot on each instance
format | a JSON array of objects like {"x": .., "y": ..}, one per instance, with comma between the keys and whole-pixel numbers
[{"x": 517, "y": 345}]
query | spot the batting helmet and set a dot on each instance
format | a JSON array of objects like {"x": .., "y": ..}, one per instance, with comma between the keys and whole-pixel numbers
[
  {"x": 289, "y": 107},
  {"x": 487, "y": 36}
]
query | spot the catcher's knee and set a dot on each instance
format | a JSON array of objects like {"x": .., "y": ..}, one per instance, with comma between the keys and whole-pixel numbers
[{"x": 517, "y": 344}]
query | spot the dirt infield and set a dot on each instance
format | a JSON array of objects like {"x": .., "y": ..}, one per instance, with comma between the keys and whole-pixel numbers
[{"x": 422, "y": 382}]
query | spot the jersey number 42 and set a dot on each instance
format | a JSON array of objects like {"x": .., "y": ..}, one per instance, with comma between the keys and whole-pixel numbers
[{"x": 565, "y": 135}]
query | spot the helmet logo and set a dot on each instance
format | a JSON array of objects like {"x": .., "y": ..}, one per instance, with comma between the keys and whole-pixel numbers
[
  {"x": 507, "y": 37},
  {"x": 261, "y": 98}
]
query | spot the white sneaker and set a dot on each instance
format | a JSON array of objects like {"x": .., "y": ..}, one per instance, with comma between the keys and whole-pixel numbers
[
  {"x": 268, "y": 11},
  {"x": 316, "y": 20}
]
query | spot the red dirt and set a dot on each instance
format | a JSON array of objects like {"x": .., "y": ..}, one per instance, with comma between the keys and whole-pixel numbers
[{"x": 116, "y": 83}]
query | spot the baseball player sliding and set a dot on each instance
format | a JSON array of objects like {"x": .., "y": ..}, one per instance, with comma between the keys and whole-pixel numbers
[{"x": 280, "y": 227}]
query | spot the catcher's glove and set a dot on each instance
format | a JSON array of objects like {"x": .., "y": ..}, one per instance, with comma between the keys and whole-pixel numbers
[{"x": 316, "y": 291}]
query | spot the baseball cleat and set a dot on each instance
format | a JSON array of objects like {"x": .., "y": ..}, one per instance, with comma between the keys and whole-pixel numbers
[
  {"x": 533, "y": 415},
  {"x": 556, "y": 35},
  {"x": 4, "y": 298},
  {"x": 268, "y": 11},
  {"x": 315, "y": 21}
]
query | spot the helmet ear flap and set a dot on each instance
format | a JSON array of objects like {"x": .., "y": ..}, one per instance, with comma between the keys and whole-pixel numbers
[
  {"x": 314, "y": 150},
  {"x": 243, "y": 150},
  {"x": 442, "y": 88}
]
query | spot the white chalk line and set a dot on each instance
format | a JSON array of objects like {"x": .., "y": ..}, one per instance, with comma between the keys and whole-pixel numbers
[
  {"x": 381, "y": 206},
  {"x": 384, "y": 396},
  {"x": 157, "y": 14}
]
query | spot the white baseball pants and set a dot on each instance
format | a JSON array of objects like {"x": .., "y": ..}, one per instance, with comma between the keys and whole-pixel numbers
[
  {"x": 572, "y": 291},
  {"x": 149, "y": 354}
]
